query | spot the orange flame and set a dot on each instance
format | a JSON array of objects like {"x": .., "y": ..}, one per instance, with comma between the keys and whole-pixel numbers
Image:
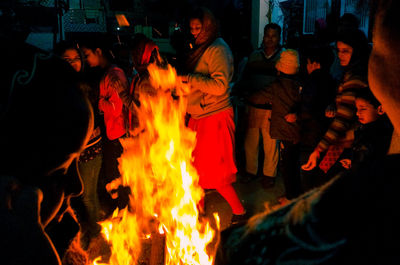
[{"x": 157, "y": 166}]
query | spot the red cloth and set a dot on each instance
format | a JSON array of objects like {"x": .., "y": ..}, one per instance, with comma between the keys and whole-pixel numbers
[
  {"x": 111, "y": 104},
  {"x": 148, "y": 49},
  {"x": 331, "y": 156},
  {"x": 214, "y": 156}
]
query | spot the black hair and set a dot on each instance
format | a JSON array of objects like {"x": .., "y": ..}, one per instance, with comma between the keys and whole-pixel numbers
[
  {"x": 104, "y": 42},
  {"x": 273, "y": 26},
  {"x": 321, "y": 54},
  {"x": 348, "y": 21},
  {"x": 197, "y": 12},
  {"x": 65, "y": 45},
  {"x": 367, "y": 95},
  {"x": 42, "y": 92},
  {"x": 356, "y": 38}
]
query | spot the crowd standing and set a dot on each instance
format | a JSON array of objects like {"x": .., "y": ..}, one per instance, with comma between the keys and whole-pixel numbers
[
  {"x": 294, "y": 111},
  {"x": 335, "y": 223}
]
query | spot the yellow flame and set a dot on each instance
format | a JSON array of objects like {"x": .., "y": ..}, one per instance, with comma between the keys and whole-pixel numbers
[{"x": 157, "y": 166}]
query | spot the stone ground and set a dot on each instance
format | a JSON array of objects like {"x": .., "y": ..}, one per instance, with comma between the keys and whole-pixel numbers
[{"x": 252, "y": 194}]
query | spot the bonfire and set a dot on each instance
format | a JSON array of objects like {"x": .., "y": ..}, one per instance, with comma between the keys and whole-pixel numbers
[{"x": 157, "y": 166}]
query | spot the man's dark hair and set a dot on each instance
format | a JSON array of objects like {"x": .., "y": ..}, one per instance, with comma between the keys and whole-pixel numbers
[
  {"x": 102, "y": 41},
  {"x": 273, "y": 26},
  {"x": 320, "y": 54}
]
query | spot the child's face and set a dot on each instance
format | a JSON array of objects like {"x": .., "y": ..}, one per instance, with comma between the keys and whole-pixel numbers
[{"x": 366, "y": 112}]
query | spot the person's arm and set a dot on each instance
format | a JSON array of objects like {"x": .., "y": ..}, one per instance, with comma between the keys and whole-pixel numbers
[
  {"x": 342, "y": 122},
  {"x": 130, "y": 97},
  {"x": 116, "y": 83},
  {"x": 264, "y": 95},
  {"x": 216, "y": 82},
  {"x": 241, "y": 86},
  {"x": 294, "y": 111}
]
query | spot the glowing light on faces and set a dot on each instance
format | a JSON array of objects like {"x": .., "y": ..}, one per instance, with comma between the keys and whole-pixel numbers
[
  {"x": 344, "y": 53},
  {"x": 91, "y": 57},
  {"x": 195, "y": 27},
  {"x": 366, "y": 112},
  {"x": 73, "y": 58}
]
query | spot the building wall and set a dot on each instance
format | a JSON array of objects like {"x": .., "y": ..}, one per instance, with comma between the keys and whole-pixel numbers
[{"x": 262, "y": 13}]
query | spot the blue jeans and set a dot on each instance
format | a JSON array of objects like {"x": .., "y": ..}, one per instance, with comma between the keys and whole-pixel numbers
[{"x": 90, "y": 172}]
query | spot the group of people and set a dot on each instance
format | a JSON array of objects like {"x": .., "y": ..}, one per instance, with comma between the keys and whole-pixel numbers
[
  {"x": 105, "y": 106},
  {"x": 61, "y": 127},
  {"x": 302, "y": 109},
  {"x": 351, "y": 219}
]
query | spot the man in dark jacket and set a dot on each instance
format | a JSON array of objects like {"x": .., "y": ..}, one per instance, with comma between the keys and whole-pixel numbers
[{"x": 259, "y": 72}]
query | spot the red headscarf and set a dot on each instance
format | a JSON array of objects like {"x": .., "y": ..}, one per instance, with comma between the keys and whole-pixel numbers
[{"x": 141, "y": 50}]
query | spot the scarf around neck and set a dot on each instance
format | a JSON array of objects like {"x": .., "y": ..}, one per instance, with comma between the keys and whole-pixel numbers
[{"x": 208, "y": 34}]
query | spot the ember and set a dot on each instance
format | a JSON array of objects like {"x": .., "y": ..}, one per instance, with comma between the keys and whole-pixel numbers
[{"x": 157, "y": 166}]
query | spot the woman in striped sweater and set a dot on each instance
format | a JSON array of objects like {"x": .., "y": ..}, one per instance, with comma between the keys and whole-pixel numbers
[{"x": 353, "y": 52}]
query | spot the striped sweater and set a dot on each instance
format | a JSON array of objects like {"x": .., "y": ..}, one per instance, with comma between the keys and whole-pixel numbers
[{"x": 345, "y": 113}]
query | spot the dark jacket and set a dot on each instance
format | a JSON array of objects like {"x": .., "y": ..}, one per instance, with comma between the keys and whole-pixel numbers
[
  {"x": 371, "y": 141},
  {"x": 259, "y": 72},
  {"x": 285, "y": 100},
  {"x": 319, "y": 91}
]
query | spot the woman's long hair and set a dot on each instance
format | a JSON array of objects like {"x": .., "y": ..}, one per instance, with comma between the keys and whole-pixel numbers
[{"x": 358, "y": 65}]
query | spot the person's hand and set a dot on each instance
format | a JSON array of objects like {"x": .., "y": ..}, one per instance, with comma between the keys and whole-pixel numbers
[
  {"x": 312, "y": 161},
  {"x": 330, "y": 112},
  {"x": 346, "y": 163},
  {"x": 291, "y": 117},
  {"x": 182, "y": 85}
]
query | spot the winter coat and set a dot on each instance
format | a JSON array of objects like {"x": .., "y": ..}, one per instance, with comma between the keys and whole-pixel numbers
[
  {"x": 319, "y": 91},
  {"x": 285, "y": 100},
  {"x": 209, "y": 83},
  {"x": 345, "y": 118},
  {"x": 371, "y": 141},
  {"x": 259, "y": 72}
]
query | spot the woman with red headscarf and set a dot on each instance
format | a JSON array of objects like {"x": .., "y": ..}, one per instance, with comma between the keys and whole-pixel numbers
[
  {"x": 210, "y": 67},
  {"x": 143, "y": 52}
]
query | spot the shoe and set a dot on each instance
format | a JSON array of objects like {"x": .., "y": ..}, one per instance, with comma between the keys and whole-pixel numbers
[
  {"x": 248, "y": 177},
  {"x": 268, "y": 182},
  {"x": 238, "y": 219}
]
